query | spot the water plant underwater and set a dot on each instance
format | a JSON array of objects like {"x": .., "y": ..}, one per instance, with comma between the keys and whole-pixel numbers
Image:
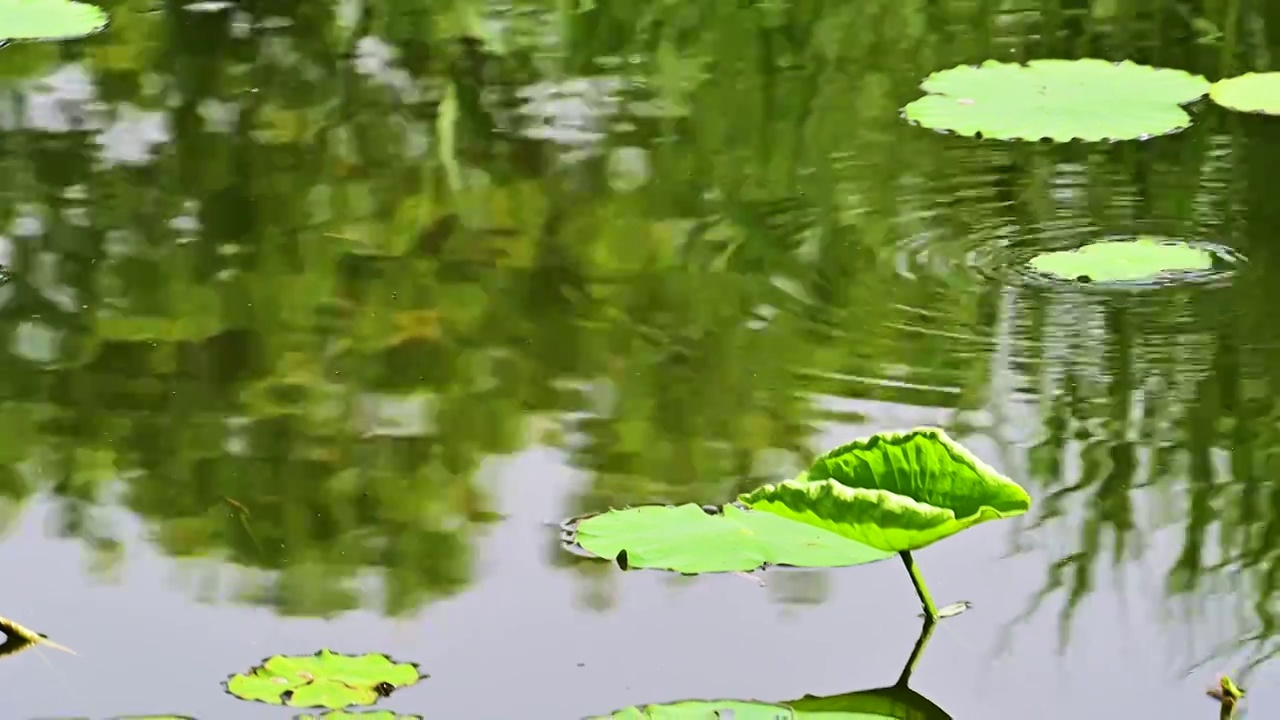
[{"x": 883, "y": 495}]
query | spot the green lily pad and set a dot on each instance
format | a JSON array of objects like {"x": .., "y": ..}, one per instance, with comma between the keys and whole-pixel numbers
[
  {"x": 689, "y": 540},
  {"x": 1249, "y": 93},
  {"x": 49, "y": 19},
  {"x": 326, "y": 679},
  {"x": 361, "y": 715},
  {"x": 895, "y": 491},
  {"x": 702, "y": 710},
  {"x": 896, "y": 702},
  {"x": 1059, "y": 100},
  {"x": 1124, "y": 261}
]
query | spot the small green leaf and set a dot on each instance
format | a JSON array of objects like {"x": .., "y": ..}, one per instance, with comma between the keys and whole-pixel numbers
[
  {"x": 1059, "y": 100},
  {"x": 49, "y": 19},
  {"x": 895, "y": 491},
  {"x": 687, "y": 539},
  {"x": 326, "y": 679},
  {"x": 1124, "y": 261},
  {"x": 1249, "y": 93}
]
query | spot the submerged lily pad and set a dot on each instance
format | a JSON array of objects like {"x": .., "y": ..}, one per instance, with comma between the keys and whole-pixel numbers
[
  {"x": 895, "y": 491},
  {"x": 688, "y": 539},
  {"x": 1250, "y": 93},
  {"x": 360, "y": 715},
  {"x": 1124, "y": 261},
  {"x": 1059, "y": 100},
  {"x": 326, "y": 679},
  {"x": 891, "y": 703},
  {"x": 895, "y": 702},
  {"x": 49, "y": 19}
]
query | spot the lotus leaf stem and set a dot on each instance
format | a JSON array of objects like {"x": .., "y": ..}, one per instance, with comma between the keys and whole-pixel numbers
[
  {"x": 922, "y": 590},
  {"x": 926, "y": 632}
]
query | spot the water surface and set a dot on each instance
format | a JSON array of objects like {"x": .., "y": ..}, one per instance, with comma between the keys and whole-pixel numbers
[{"x": 321, "y": 314}]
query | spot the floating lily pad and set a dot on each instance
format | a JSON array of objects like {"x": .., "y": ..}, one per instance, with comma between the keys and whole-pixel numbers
[
  {"x": 326, "y": 679},
  {"x": 1143, "y": 259},
  {"x": 895, "y": 491},
  {"x": 1250, "y": 93},
  {"x": 49, "y": 19},
  {"x": 895, "y": 702},
  {"x": 890, "y": 703},
  {"x": 361, "y": 715},
  {"x": 688, "y": 539},
  {"x": 1059, "y": 100}
]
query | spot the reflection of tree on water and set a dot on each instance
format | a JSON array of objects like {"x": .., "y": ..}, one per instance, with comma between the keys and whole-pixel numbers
[{"x": 1168, "y": 428}]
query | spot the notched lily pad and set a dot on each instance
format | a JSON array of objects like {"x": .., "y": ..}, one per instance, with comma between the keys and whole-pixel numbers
[
  {"x": 1057, "y": 100},
  {"x": 1144, "y": 260},
  {"x": 1249, "y": 93},
  {"x": 49, "y": 19},
  {"x": 895, "y": 491},
  {"x": 326, "y": 679},
  {"x": 688, "y": 539}
]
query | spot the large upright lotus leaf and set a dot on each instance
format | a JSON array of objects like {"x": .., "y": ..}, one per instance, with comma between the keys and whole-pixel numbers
[
  {"x": 1124, "y": 261},
  {"x": 1061, "y": 100},
  {"x": 895, "y": 491},
  {"x": 687, "y": 539},
  {"x": 49, "y": 19},
  {"x": 1250, "y": 93},
  {"x": 326, "y": 679}
]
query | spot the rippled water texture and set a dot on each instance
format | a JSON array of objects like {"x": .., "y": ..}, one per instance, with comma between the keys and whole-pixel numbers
[{"x": 320, "y": 316}]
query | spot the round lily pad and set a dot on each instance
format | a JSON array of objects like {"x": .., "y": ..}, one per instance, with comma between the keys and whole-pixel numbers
[
  {"x": 1124, "y": 261},
  {"x": 326, "y": 679},
  {"x": 1059, "y": 100},
  {"x": 1250, "y": 93},
  {"x": 360, "y": 715},
  {"x": 896, "y": 702},
  {"x": 688, "y": 539},
  {"x": 49, "y": 19}
]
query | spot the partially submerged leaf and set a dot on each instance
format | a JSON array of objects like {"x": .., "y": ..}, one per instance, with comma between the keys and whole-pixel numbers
[
  {"x": 1249, "y": 93},
  {"x": 702, "y": 710},
  {"x": 361, "y": 715},
  {"x": 1059, "y": 100},
  {"x": 326, "y": 679},
  {"x": 18, "y": 638},
  {"x": 895, "y": 491},
  {"x": 1124, "y": 261},
  {"x": 889, "y": 703},
  {"x": 49, "y": 19},
  {"x": 689, "y": 540}
]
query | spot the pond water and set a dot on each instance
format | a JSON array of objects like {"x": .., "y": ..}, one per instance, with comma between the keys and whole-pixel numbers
[{"x": 322, "y": 315}]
